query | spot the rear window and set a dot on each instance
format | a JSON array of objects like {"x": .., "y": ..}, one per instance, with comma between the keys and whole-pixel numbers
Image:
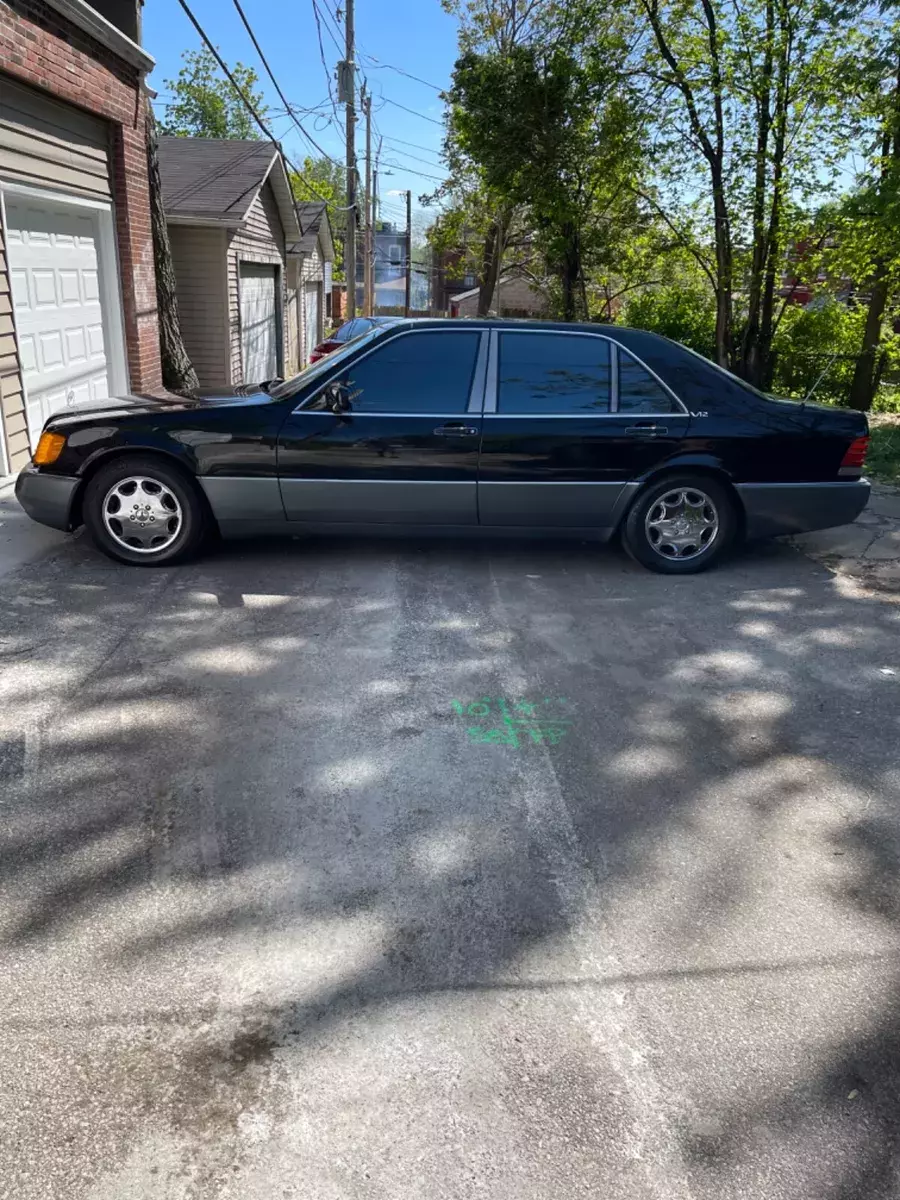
[
  {"x": 553, "y": 374},
  {"x": 639, "y": 392}
]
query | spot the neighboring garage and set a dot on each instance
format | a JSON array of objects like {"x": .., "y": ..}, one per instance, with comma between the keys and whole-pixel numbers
[
  {"x": 77, "y": 288},
  {"x": 231, "y": 216},
  {"x": 60, "y": 248}
]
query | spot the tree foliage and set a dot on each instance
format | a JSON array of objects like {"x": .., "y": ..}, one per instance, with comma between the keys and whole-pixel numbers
[
  {"x": 322, "y": 177},
  {"x": 206, "y": 105}
]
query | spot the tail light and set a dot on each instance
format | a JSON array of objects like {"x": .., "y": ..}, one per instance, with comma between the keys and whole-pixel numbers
[{"x": 855, "y": 455}]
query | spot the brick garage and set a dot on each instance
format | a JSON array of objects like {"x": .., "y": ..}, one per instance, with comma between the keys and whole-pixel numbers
[{"x": 72, "y": 126}]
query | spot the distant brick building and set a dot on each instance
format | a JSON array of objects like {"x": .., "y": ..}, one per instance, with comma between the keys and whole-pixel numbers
[{"x": 78, "y": 314}]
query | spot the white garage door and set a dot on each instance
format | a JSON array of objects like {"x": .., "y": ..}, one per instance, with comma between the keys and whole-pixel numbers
[
  {"x": 312, "y": 318},
  {"x": 259, "y": 315},
  {"x": 55, "y": 275}
]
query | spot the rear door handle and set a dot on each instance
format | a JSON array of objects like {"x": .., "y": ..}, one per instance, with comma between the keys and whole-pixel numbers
[
  {"x": 646, "y": 430},
  {"x": 456, "y": 429}
]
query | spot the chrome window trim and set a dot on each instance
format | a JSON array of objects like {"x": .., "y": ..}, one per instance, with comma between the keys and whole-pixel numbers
[
  {"x": 403, "y": 333},
  {"x": 491, "y": 407},
  {"x": 587, "y": 416},
  {"x": 479, "y": 376},
  {"x": 490, "y": 390}
]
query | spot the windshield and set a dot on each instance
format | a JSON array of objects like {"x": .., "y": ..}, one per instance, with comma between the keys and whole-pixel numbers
[{"x": 291, "y": 386}]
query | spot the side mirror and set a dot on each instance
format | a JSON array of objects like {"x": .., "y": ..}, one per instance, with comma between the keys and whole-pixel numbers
[{"x": 339, "y": 399}]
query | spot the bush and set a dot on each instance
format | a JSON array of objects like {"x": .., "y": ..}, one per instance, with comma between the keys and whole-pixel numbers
[
  {"x": 821, "y": 340},
  {"x": 687, "y": 314}
]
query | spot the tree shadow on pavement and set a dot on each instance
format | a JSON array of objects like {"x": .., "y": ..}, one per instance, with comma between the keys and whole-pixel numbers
[{"x": 255, "y": 863}]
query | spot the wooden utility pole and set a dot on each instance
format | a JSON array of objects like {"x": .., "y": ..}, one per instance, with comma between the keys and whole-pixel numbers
[
  {"x": 368, "y": 293},
  {"x": 350, "y": 249},
  {"x": 408, "y": 250}
]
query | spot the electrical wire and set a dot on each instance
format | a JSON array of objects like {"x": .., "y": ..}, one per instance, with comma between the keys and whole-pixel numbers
[
  {"x": 315, "y": 9},
  {"x": 376, "y": 65},
  {"x": 248, "y": 104},
  {"x": 387, "y": 100},
  {"x": 320, "y": 21},
  {"x": 312, "y": 141}
]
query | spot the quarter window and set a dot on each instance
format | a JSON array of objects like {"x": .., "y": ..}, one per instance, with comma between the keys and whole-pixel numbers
[
  {"x": 415, "y": 373},
  {"x": 639, "y": 392},
  {"x": 546, "y": 373}
]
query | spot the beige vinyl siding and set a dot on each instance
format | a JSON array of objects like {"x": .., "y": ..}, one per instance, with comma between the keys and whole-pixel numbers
[
  {"x": 312, "y": 270},
  {"x": 49, "y": 144},
  {"x": 259, "y": 239},
  {"x": 198, "y": 255},
  {"x": 12, "y": 398},
  {"x": 292, "y": 362}
]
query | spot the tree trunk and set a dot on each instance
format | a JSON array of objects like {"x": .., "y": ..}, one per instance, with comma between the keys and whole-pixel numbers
[
  {"x": 491, "y": 255},
  {"x": 865, "y": 374},
  {"x": 571, "y": 270},
  {"x": 760, "y": 246},
  {"x": 177, "y": 371},
  {"x": 724, "y": 303}
]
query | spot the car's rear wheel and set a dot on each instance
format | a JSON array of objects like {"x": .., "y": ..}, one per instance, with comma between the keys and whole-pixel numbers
[
  {"x": 680, "y": 525},
  {"x": 141, "y": 511}
]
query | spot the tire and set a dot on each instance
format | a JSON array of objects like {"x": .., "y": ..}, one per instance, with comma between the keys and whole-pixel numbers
[
  {"x": 171, "y": 519},
  {"x": 707, "y": 529}
]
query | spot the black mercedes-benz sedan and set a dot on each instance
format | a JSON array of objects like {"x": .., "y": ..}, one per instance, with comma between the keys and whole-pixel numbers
[{"x": 463, "y": 427}]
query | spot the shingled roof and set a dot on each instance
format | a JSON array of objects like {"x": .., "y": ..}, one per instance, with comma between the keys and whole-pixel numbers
[
  {"x": 313, "y": 221},
  {"x": 216, "y": 180}
]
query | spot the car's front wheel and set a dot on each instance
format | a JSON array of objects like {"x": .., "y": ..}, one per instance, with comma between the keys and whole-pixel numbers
[
  {"x": 680, "y": 525},
  {"x": 140, "y": 510}
]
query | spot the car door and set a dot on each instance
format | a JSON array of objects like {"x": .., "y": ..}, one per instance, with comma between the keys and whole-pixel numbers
[
  {"x": 571, "y": 422},
  {"x": 406, "y": 452}
]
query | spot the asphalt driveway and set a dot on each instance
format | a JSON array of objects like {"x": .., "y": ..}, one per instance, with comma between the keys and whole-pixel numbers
[{"x": 386, "y": 871}]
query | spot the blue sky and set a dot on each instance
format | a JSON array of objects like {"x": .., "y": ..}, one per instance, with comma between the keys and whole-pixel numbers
[{"x": 415, "y": 35}]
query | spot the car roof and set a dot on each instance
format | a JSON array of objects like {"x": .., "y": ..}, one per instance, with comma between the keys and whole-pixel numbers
[{"x": 635, "y": 339}]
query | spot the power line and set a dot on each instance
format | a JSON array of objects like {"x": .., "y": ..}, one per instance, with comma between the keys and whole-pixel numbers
[
  {"x": 387, "y": 100},
  {"x": 415, "y": 145},
  {"x": 318, "y": 16},
  {"x": 412, "y": 171},
  {"x": 315, "y": 9},
  {"x": 312, "y": 141},
  {"x": 376, "y": 65},
  {"x": 248, "y": 104}
]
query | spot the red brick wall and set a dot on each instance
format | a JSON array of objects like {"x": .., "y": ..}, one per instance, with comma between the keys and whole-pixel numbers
[{"x": 40, "y": 48}]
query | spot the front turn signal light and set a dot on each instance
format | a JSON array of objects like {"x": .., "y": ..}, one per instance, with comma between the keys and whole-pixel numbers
[{"x": 49, "y": 448}]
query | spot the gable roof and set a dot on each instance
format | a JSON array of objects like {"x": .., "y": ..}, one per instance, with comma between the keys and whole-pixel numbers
[
  {"x": 214, "y": 181},
  {"x": 316, "y": 226}
]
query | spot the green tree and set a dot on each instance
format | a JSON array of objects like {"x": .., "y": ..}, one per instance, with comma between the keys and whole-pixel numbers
[
  {"x": 324, "y": 178},
  {"x": 741, "y": 102},
  {"x": 206, "y": 105},
  {"x": 869, "y": 235}
]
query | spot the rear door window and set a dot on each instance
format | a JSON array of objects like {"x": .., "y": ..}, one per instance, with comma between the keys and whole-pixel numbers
[
  {"x": 553, "y": 374},
  {"x": 639, "y": 392}
]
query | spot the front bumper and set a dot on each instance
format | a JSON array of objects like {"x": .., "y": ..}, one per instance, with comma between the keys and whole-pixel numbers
[
  {"x": 775, "y": 508},
  {"x": 47, "y": 498}
]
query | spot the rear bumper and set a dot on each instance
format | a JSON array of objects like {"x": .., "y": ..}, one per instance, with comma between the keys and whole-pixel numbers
[
  {"x": 774, "y": 508},
  {"x": 47, "y": 498}
]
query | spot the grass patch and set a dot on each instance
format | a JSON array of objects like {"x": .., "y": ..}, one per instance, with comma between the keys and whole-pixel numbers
[{"x": 883, "y": 459}]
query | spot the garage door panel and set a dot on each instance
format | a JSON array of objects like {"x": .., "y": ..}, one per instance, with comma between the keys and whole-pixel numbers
[
  {"x": 59, "y": 316},
  {"x": 259, "y": 318}
]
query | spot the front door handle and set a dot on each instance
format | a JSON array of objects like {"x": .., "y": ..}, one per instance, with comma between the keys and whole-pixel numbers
[
  {"x": 456, "y": 429},
  {"x": 646, "y": 430}
]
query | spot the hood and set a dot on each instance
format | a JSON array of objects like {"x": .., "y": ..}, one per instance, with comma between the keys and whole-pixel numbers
[{"x": 136, "y": 404}]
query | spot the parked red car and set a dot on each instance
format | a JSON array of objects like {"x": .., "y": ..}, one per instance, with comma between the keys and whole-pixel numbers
[{"x": 348, "y": 331}]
